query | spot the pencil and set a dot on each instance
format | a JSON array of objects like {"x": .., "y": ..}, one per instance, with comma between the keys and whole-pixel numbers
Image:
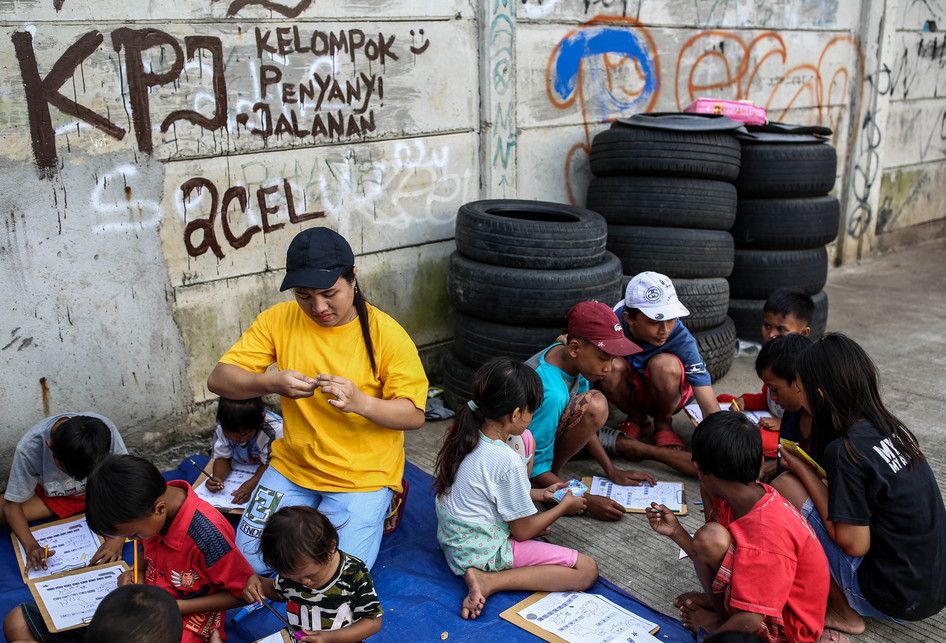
[
  {"x": 734, "y": 405},
  {"x": 209, "y": 475},
  {"x": 45, "y": 553},
  {"x": 136, "y": 560}
]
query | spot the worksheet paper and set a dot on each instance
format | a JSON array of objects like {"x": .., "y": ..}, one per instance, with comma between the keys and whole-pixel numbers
[
  {"x": 73, "y": 542},
  {"x": 693, "y": 410},
  {"x": 71, "y": 600},
  {"x": 587, "y": 618},
  {"x": 663, "y": 493},
  {"x": 239, "y": 473},
  {"x": 275, "y": 637}
]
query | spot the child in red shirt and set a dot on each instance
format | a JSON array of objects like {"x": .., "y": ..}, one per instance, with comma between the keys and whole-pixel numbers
[
  {"x": 760, "y": 564},
  {"x": 188, "y": 545}
]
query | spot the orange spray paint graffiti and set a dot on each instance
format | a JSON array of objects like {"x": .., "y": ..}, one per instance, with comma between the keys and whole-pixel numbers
[{"x": 720, "y": 63}]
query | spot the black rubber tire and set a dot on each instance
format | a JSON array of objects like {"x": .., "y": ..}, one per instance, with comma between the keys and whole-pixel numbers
[
  {"x": 706, "y": 299},
  {"x": 529, "y": 297},
  {"x": 664, "y": 201},
  {"x": 786, "y": 224},
  {"x": 757, "y": 273},
  {"x": 675, "y": 252},
  {"x": 747, "y": 314},
  {"x": 530, "y": 234},
  {"x": 457, "y": 380},
  {"x": 718, "y": 348},
  {"x": 643, "y": 150},
  {"x": 476, "y": 340},
  {"x": 786, "y": 169}
]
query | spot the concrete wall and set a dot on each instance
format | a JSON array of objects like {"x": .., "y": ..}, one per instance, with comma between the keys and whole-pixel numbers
[{"x": 158, "y": 157}]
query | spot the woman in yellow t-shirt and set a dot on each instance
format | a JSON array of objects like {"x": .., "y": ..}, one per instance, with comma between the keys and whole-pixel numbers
[{"x": 351, "y": 383}]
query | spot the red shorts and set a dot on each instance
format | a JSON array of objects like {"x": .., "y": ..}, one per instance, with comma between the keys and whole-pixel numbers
[
  {"x": 640, "y": 389},
  {"x": 62, "y": 506}
]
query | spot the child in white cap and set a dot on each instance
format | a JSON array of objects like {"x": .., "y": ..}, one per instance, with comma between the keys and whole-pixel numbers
[{"x": 668, "y": 372}]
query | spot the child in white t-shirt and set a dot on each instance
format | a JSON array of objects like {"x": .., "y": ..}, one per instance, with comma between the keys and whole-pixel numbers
[
  {"x": 245, "y": 433},
  {"x": 485, "y": 512}
]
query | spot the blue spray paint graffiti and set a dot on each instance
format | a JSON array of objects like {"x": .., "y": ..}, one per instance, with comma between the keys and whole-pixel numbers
[{"x": 606, "y": 40}]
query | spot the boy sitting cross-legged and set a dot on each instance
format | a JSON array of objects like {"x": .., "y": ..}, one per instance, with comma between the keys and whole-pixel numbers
[
  {"x": 668, "y": 372},
  {"x": 760, "y": 564}
]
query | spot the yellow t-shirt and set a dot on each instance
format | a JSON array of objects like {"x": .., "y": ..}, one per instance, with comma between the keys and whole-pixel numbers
[{"x": 322, "y": 448}]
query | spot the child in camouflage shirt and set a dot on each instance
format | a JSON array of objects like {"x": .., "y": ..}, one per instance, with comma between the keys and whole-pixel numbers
[{"x": 325, "y": 589}]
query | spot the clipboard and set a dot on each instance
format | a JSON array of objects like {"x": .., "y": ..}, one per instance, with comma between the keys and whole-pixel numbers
[
  {"x": 33, "y": 584},
  {"x": 18, "y": 550},
  {"x": 684, "y": 510},
  {"x": 202, "y": 479},
  {"x": 511, "y": 615}
]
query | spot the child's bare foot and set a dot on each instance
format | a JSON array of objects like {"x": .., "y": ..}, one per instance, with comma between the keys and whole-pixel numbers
[
  {"x": 851, "y": 623},
  {"x": 475, "y": 599},
  {"x": 840, "y": 615},
  {"x": 694, "y": 618},
  {"x": 697, "y": 599}
]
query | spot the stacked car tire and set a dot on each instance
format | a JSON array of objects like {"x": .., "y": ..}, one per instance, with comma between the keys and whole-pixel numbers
[
  {"x": 783, "y": 222},
  {"x": 669, "y": 200},
  {"x": 518, "y": 268}
]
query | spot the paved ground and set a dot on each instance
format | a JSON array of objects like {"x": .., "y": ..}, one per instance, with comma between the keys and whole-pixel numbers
[{"x": 895, "y": 306}]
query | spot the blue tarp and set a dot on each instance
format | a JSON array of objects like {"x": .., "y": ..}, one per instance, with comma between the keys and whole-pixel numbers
[{"x": 420, "y": 596}]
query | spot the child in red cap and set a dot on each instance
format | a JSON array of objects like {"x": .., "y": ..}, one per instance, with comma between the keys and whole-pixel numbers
[{"x": 571, "y": 413}]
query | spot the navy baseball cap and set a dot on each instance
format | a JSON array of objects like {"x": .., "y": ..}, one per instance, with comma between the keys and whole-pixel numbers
[{"x": 316, "y": 258}]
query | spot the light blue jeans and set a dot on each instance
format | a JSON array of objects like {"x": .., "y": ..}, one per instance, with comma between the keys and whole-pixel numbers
[
  {"x": 357, "y": 515},
  {"x": 843, "y": 567}
]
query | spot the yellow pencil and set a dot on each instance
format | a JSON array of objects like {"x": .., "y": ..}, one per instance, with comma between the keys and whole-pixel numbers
[
  {"x": 45, "y": 553},
  {"x": 734, "y": 405},
  {"x": 135, "y": 545}
]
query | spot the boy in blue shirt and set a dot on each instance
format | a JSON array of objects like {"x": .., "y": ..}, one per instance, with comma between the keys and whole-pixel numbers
[
  {"x": 571, "y": 414},
  {"x": 668, "y": 372}
]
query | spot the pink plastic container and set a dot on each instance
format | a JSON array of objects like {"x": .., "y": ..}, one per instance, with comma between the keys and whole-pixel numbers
[{"x": 743, "y": 111}]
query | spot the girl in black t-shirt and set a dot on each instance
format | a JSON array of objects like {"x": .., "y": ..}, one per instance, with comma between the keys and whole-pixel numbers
[{"x": 880, "y": 518}]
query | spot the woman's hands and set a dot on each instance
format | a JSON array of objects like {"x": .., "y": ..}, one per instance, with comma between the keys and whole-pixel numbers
[
  {"x": 291, "y": 384},
  {"x": 348, "y": 397}
]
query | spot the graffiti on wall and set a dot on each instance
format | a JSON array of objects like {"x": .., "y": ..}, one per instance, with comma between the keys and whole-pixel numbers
[
  {"x": 722, "y": 63},
  {"x": 293, "y": 75},
  {"x": 501, "y": 121},
  {"x": 607, "y": 67},
  {"x": 610, "y": 67},
  {"x": 172, "y": 97}
]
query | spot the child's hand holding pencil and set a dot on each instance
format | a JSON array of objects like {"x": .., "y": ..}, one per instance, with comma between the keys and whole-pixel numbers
[{"x": 37, "y": 555}]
